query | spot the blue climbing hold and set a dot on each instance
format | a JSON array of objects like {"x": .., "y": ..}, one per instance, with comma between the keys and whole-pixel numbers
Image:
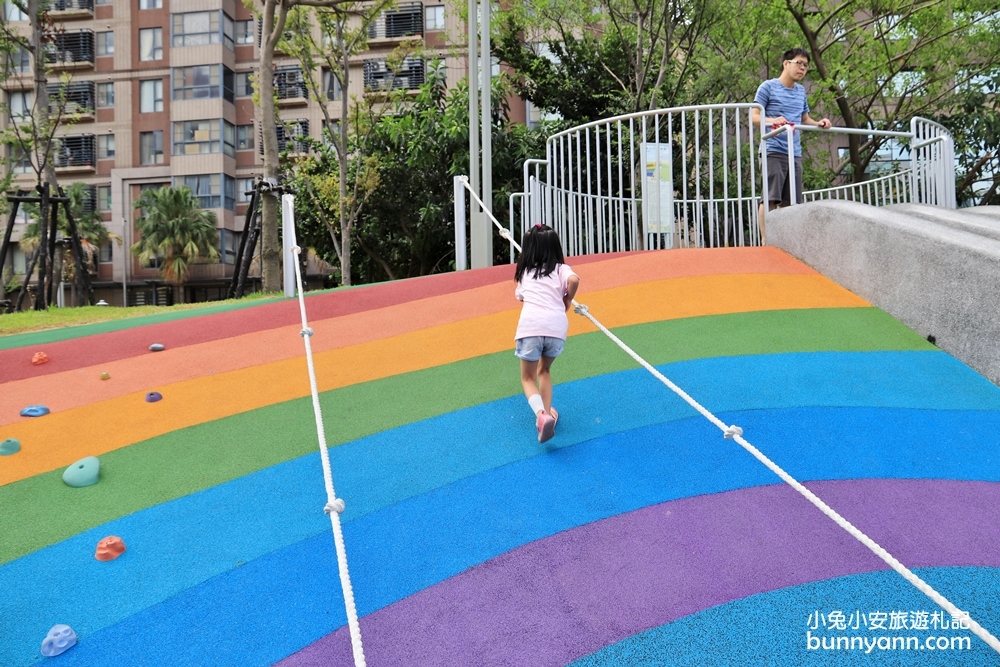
[
  {"x": 153, "y": 397},
  {"x": 60, "y": 639},
  {"x": 10, "y": 446},
  {"x": 83, "y": 473},
  {"x": 35, "y": 411}
]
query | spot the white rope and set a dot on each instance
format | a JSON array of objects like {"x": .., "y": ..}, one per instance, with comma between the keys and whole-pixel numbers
[
  {"x": 334, "y": 505},
  {"x": 735, "y": 433}
]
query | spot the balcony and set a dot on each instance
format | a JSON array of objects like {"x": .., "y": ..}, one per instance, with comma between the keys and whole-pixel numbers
[
  {"x": 290, "y": 87},
  {"x": 63, "y": 10},
  {"x": 379, "y": 78},
  {"x": 407, "y": 20},
  {"x": 291, "y": 137},
  {"x": 78, "y": 100},
  {"x": 70, "y": 50},
  {"x": 75, "y": 152}
]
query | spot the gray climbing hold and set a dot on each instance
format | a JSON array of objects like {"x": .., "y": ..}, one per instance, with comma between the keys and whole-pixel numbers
[
  {"x": 83, "y": 473},
  {"x": 153, "y": 397},
  {"x": 60, "y": 639},
  {"x": 156, "y": 347},
  {"x": 10, "y": 446}
]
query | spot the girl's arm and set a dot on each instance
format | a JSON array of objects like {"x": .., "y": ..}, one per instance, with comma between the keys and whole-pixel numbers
[{"x": 572, "y": 284}]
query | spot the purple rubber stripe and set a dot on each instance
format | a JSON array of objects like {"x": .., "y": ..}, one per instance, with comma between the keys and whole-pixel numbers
[{"x": 565, "y": 596}]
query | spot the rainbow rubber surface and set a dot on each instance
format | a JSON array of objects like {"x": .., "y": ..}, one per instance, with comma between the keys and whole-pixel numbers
[{"x": 637, "y": 536}]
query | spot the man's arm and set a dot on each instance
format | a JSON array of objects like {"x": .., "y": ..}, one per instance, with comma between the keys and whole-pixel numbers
[
  {"x": 777, "y": 121},
  {"x": 822, "y": 122}
]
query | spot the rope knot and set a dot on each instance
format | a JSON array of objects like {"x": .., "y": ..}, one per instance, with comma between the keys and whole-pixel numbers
[
  {"x": 306, "y": 332},
  {"x": 580, "y": 309},
  {"x": 505, "y": 233},
  {"x": 731, "y": 431},
  {"x": 336, "y": 505}
]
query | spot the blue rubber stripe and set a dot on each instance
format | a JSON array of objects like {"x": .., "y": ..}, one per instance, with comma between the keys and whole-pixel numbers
[
  {"x": 414, "y": 544},
  {"x": 770, "y": 628}
]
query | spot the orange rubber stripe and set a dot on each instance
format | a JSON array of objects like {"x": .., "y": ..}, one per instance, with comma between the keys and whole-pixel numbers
[
  {"x": 121, "y": 421},
  {"x": 136, "y": 374}
]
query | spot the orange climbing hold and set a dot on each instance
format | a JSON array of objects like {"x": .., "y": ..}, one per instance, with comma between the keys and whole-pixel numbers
[
  {"x": 39, "y": 358},
  {"x": 109, "y": 548}
]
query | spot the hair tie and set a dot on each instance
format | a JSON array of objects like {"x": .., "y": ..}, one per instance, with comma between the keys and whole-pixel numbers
[{"x": 538, "y": 224}]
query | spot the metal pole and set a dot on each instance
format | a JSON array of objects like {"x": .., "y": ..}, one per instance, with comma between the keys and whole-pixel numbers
[
  {"x": 461, "y": 261},
  {"x": 475, "y": 166},
  {"x": 486, "y": 117},
  {"x": 287, "y": 242}
]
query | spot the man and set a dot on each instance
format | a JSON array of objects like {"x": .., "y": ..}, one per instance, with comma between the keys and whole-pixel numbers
[{"x": 784, "y": 102}]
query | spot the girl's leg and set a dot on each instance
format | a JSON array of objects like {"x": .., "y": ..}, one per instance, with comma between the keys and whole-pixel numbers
[
  {"x": 545, "y": 381},
  {"x": 529, "y": 378}
]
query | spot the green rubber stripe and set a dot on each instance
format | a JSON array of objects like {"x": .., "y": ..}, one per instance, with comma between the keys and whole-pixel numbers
[{"x": 41, "y": 510}]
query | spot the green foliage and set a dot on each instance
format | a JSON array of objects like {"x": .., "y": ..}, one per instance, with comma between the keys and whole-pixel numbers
[
  {"x": 174, "y": 230},
  {"x": 406, "y": 226},
  {"x": 976, "y": 128}
]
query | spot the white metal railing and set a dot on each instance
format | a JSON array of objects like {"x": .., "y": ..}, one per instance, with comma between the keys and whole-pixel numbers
[{"x": 693, "y": 177}]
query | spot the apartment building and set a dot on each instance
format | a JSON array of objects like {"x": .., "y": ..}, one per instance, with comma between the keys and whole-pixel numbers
[{"x": 160, "y": 92}]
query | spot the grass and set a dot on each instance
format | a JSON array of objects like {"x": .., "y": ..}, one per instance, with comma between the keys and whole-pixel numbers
[{"x": 58, "y": 318}]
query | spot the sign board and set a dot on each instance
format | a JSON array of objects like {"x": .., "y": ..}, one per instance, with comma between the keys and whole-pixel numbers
[{"x": 658, "y": 190}]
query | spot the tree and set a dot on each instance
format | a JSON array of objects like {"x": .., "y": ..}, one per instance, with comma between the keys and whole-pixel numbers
[
  {"x": 976, "y": 128},
  {"x": 345, "y": 132},
  {"x": 174, "y": 231},
  {"x": 406, "y": 227},
  {"x": 274, "y": 14},
  {"x": 89, "y": 226}
]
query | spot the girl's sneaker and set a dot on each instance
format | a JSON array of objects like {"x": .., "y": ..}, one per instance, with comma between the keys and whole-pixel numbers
[{"x": 546, "y": 427}]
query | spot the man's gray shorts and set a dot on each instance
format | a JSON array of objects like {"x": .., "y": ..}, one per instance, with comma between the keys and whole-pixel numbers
[{"x": 777, "y": 178}]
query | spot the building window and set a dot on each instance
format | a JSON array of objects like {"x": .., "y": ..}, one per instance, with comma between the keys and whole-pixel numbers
[
  {"x": 107, "y": 250},
  {"x": 194, "y": 137},
  {"x": 246, "y": 32},
  {"x": 151, "y": 96},
  {"x": 105, "y": 146},
  {"x": 13, "y": 13},
  {"x": 229, "y": 244},
  {"x": 20, "y": 103},
  {"x": 244, "y": 138},
  {"x": 103, "y": 2},
  {"x": 105, "y": 94},
  {"x": 19, "y": 60},
  {"x": 104, "y": 199},
  {"x": 105, "y": 43},
  {"x": 244, "y": 84},
  {"x": 244, "y": 189},
  {"x": 207, "y": 188},
  {"x": 331, "y": 85},
  {"x": 151, "y": 44},
  {"x": 20, "y": 160},
  {"x": 200, "y": 28},
  {"x": 198, "y": 82},
  {"x": 151, "y": 147},
  {"x": 434, "y": 18},
  {"x": 150, "y": 4}
]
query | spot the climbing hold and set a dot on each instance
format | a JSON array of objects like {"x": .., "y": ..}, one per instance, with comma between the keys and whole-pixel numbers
[
  {"x": 153, "y": 396},
  {"x": 83, "y": 473},
  {"x": 10, "y": 446},
  {"x": 105, "y": 375},
  {"x": 39, "y": 358},
  {"x": 35, "y": 411},
  {"x": 60, "y": 639},
  {"x": 110, "y": 548},
  {"x": 156, "y": 347}
]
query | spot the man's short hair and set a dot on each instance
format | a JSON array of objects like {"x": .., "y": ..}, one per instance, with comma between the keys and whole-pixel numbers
[{"x": 790, "y": 54}]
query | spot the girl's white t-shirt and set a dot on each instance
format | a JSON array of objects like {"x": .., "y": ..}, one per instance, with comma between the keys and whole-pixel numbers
[{"x": 543, "y": 313}]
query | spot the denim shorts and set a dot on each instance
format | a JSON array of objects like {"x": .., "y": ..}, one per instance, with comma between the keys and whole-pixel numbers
[{"x": 533, "y": 347}]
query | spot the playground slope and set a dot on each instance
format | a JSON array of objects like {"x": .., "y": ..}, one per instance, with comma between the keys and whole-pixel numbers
[{"x": 638, "y": 535}]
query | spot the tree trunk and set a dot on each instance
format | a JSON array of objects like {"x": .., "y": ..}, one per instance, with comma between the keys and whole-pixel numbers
[
  {"x": 345, "y": 222},
  {"x": 275, "y": 12}
]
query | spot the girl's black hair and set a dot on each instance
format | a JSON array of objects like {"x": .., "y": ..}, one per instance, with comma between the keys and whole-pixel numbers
[{"x": 540, "y": 252}]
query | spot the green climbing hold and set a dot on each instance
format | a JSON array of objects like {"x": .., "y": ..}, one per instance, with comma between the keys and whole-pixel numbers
[
  {"x": 10, "y": 446},
  {"x": 83, "y": 473},
  {"x": 105, "y": 375}
]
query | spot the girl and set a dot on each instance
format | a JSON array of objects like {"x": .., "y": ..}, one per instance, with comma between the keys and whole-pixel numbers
[{"x": 546, "y": 286}]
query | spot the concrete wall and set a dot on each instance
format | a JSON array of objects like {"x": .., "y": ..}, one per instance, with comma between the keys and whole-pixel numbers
[{"x": 936, "y": 270}]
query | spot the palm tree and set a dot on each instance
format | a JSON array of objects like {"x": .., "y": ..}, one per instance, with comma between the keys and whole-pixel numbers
[{"x": 174, "y": 230}]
